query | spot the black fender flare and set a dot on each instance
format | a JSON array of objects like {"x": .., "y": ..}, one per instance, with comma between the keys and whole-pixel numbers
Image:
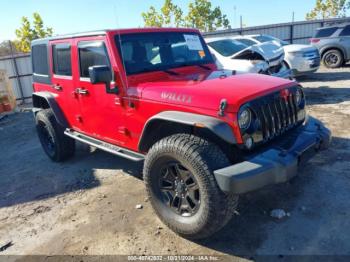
[
  {"x": 216, "y": 126},
  {"x": 49, "y": 98}
]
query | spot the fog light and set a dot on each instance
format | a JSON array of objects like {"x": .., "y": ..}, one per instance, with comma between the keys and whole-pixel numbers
[{"x": 249, "y": 142}]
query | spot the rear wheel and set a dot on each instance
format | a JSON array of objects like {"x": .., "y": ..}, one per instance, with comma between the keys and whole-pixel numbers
[
  {"x": 333, "y": 58},
  {"x": 178, "y": 173},
  {"x": 56, "y": 145}
]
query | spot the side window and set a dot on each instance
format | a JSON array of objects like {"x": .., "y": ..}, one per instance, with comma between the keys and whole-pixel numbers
[
  {"x": 247, "y": 42},
  {"x": 346, "y": 31},
  {"x": 61, "y": 54},
  {"x": 91, "y": 54},
  {"x": 39, "y": 59},
  {"x": 326, "y": 32}
]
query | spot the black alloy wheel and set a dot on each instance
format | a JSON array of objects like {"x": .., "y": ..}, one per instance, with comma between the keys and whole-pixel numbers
[
  {"x": 179, "y": 189},
  {"x": 46, "y": 138}
]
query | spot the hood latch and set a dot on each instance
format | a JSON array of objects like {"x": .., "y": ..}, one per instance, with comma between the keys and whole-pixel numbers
[{"x": 222, "y": 107}]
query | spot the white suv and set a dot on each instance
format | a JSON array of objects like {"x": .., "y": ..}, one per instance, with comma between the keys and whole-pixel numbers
[{"x": 301, "y": 59}]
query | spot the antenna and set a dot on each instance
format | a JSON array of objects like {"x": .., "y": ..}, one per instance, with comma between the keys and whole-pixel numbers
[{"x": 121, "y": 48}]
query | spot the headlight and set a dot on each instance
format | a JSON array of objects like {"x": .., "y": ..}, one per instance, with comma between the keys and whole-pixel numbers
[
  {"x": 244, "y": 118},
  {"x": 297, "y": 54},
  {"x": 299, "y": 96}
]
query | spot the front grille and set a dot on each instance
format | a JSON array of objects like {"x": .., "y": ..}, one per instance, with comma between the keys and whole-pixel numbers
[
  {"x": 274, "y": 115},
  {"x": 311, "y": 54}
]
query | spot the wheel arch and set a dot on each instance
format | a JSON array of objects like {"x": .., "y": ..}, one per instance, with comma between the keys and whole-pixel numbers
[
  {"x": 171, "y": 122},
  {"x": 45, "y": 100},
  {"x": 339, "y": 48}
]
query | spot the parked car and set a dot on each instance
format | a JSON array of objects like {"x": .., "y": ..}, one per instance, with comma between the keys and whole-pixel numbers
[
  {"x": 263, "y": 58},
  {"x": 301, "y": 59},
  {"x": 333, "y": 42},
  {"x": 155, "y": 96}
]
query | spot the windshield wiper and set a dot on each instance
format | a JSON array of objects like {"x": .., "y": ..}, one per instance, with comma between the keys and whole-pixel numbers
[
  {"x": 191, "y": 64},
  {"x": 170, "y": 72},
  {"x": 204, "y": 67}
]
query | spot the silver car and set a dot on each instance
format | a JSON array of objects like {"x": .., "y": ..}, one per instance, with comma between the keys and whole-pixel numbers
[{"x": 333, "y": 42}]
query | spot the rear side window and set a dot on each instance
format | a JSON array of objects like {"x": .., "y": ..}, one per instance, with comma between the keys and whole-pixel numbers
[
  {"x": 61, "y": 54},
  {"x": 39, "y": 58},
  {"x": 326, "y": 32},
  {"x": 346, "y": 31},
  {"x": 247, "y": 42},
  {"x": 264, "y": 38},
  {"x": 91, "y": 54}
]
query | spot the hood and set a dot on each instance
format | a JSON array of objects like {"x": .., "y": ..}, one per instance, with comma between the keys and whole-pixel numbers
[
  {"x": 242, "y": 66},
  {"x": 298, "y": 48},
  {"x": 206, "y": 90},
  {"x": 271, "y": 52}
]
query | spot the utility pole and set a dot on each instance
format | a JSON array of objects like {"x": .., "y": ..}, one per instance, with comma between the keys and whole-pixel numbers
[
  {"x": 235, "y": 16},
  {"x": 241, "y": 24},
  {"x": 291, "y": 38},
  {"x": 15, "y": 69}
]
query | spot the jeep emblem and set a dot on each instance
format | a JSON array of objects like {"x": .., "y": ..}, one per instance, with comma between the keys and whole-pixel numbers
[{"x": 176, "y": 97}]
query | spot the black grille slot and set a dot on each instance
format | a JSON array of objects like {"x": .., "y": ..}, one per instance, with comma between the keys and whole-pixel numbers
[{"x": 276, "y": 114}]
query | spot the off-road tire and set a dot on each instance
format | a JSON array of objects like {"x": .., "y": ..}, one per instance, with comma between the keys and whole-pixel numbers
[
  {"x": 201, "y": 158},
  {"x": 333, "y": 58},
  {"x": 63, "y": 147}
]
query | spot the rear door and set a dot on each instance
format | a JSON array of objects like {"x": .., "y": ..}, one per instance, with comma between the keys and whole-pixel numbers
[
  {"x": 62, "y": 81},
  {"x": 102, "y": 113}
]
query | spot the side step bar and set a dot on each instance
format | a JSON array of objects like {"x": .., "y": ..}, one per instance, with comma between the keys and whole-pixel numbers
[{"x": 116, "y": 150}]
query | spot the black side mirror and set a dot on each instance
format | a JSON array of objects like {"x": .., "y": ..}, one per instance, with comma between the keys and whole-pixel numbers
[{"x": 102, "y": 74}]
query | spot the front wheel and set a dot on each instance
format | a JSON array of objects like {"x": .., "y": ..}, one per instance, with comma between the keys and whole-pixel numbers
[{"x": 178, "y": 173}]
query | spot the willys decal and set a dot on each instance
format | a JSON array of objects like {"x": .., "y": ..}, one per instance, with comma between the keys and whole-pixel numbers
[{"x": 176, "y": 97}]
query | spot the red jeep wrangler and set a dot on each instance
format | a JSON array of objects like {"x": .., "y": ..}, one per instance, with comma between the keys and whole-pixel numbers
[{"x": 155, "y": 95}]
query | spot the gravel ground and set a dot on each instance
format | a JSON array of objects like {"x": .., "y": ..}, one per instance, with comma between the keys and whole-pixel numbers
[{"x": 87, "y": 205}]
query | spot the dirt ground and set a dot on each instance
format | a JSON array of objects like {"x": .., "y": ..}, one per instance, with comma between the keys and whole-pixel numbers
[{"x": 87, "y": 205}]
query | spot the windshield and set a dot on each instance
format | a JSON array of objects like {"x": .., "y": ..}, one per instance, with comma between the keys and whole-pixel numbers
[
  {"x": 227, "y": 47},
  {"x": 146, "y": 52}
]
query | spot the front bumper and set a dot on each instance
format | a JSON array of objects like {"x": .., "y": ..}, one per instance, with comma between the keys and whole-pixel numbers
[
  {"x": 276, "y": 164},
  {"x": 302, "y": 66}
]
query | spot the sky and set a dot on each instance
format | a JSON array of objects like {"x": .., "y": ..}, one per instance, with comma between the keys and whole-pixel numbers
[{"x": 69, "y": 16}]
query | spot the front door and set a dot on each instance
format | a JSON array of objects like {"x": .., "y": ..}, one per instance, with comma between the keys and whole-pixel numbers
[
  {"x": 63, "y": 81},
  {"x": 102, "y": 114}
]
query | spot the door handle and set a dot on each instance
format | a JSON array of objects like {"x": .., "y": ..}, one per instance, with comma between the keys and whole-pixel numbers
[
  {"x": 57, "y": 87},
  {"x": 81, "y": 91}
]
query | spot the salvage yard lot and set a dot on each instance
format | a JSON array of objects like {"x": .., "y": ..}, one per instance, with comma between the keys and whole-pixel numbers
[{"x": 87, "y": 204}]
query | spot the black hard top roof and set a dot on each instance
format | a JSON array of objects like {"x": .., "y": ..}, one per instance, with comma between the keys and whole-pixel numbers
[
  {"x": 103, "y": 32},
  {"x": 81, "y": 34}
]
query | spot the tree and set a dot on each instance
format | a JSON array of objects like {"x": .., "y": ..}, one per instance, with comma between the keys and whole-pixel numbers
[
  {"x": 328, "y": 9},
  {"x": 200, "y": 15},
  {"x": 26, "y": 33},
  {"x": 169, "y": 15}
]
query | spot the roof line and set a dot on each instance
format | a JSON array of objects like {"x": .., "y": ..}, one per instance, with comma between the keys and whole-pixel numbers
[{"x": 65, "y": 36}]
